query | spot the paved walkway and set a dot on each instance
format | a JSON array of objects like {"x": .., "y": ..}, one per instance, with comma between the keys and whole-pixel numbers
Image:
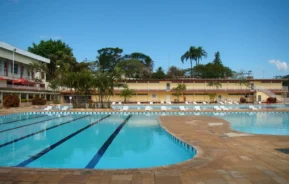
[{"x": 224, "y": 157}]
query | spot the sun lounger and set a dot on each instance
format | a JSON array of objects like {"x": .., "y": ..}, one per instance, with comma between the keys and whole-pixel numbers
[
  {"x": 125, "y": 108},
  {"x": 182, "y": 108},
  {"x": 138, "y": 103},
  {"x": 230, "y": 103},
  {"x": 223, "y": 108},
  {"x": 169, "y": 103},
  {"x": 221, "y": 103},
  {"x": 260, "y": 102},
  {"x": 151, "y": 103},
  {"x": 252, "y": 108},
  {"x": 217, "y": 108},
  {"x": 236, "y": 103},
  {"x": 119, "y": 103},
  {"x": 197, "y": 108},
  {"x": 48, "y": 108},
  {"x": 163, "y": 108},
  {"x": 205, "y": 103},
  {"x": 187, "y": 103},
  {"x": 65, "y": 108},
  {"x": 112, "y": 103},
  {"x": 162, "y": 102},
  {"x": 195, "y": 103},
  {"x": 148, "y": 108}
]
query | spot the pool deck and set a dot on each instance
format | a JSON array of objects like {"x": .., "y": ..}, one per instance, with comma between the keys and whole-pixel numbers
[{"x": 223, "y": 156}]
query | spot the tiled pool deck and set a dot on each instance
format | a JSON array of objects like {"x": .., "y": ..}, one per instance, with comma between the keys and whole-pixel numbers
[{"x": 224, "y": 157}]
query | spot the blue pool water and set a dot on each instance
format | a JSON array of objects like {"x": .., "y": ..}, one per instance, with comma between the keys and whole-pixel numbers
[{"x": 98, "y": 141}]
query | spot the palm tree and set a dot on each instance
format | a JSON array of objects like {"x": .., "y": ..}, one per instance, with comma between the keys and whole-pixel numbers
[
  {"x": 179, "y": 90},
  {"x": 190, "y": 55},
  {"x": 200, "y": 53},
  {"x": 126, "y": 93}
]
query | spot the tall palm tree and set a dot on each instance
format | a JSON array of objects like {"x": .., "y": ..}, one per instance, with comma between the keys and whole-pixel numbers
[
  {"x": 200, "y": 53},
  {"x": 191, "y": 55}
]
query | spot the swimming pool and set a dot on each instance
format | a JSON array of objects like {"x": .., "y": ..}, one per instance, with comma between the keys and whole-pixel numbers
[
  {"x": 202, "y": 106},
  {"x": 87, "y": 140}
]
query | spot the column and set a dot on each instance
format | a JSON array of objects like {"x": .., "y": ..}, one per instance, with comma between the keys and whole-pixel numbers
[{"x": 19, "y": 99}]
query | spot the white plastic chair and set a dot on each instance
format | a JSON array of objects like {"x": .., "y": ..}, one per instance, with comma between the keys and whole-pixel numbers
[
  {"x": 221, "y": 103},
  {"x": 195, "y": 103},
  {"x": 187, "y": 103},
  {"x": 65, "y": 108},
  {"x": 236, "y": 103},
  {"x": 163, "y": 108},
  {"x": 162, "y": 102},
  {"x": 151, "y": 103},
  {"x": 48, "y": 108},
  {"x": 138, "y": 103},
  {"x": 197, "y": 108},
  {"x": 125, "y": 108},
  {"x": 119, "y": 103},
  {"x": 205, "y": 103},
  {"x": 217, "y": 108},
  {"x": 230, "y": 103},
  {"x": 148, "y": 108},
  {"x": 224, "y": 108},
  {"x": 112, "y": 103},
  {"x": 252, "y": 108},
  {"x": 169, "y": 102},
  {"x": 182, "y": 108}
]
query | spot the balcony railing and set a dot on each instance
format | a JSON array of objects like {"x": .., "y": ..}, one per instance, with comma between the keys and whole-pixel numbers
[
  {"x": 16, "y": 76},
  {"x": 22, "y": 87}
]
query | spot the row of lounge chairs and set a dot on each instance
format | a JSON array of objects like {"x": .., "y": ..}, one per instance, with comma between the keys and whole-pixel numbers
[
  {"x": 49, "y": 108},
  {"x": 187, "y": 103}
]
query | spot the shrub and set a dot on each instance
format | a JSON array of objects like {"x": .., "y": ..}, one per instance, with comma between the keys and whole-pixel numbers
[
  {"x": 56, "y": 101},
  {"x": 38, "y": 101},
  {"x": 243, "y": 100},
  {"x": 11, "y": 101},
  {"x": 271, "y": 100}
]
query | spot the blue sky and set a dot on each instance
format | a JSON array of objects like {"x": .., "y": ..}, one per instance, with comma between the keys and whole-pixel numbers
[{"x": 248, "y": 33}]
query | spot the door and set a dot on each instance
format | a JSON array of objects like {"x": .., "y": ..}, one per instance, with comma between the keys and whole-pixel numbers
[
  {"x": 168, "y": 88},
  {"x": 168, "y": 98},
  {"x": 259, "y": 98},
  {"x": 219, "y": 98}
]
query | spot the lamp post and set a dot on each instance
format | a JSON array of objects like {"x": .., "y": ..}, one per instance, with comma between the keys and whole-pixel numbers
[{"x": 14, "y": 50}]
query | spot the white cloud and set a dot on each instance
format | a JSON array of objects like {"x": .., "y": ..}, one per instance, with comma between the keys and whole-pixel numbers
[
  {"x": 281, "y": 65},
  {"x": 52, "y": 37}
]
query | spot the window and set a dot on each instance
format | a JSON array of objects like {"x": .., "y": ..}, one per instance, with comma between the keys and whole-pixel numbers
[
  {"x": 16, "y": 68},
  {"x": 154, "y": 95},
  {"x": 168, "y": 86},
  {"x": 42, "y": 75}
]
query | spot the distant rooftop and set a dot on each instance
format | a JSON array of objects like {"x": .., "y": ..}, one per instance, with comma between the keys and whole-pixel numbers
[{"x": 23, "y": 52}]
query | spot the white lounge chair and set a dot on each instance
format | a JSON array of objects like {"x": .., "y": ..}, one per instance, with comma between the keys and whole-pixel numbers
[
  {"x": 119, "y": 103},
  {"x": 65, "y": 108},
  {"x": 195, "y": 103},
  {"x": 48, "y": 108},
  {"x": 223, "y": 108},
  {"x": 236, "y": 103},
  {"x": 169, "y": 103},
  {"x": 151, "y": 103},
  {"x": 182, "y": 108},
  {"x": 163, "y": 108},
  {"x": 260, "y": 102},
  {"x": 221, "y": 103},
  {"x": 187, "y": 103},
  {"x": 125, "y": 108},
  {"x": 148, "y": 108},
  {"x": 162, "y": 102},
  {"x": 205, "y": 103},
  {"x": 251, "y": 107},
  {"x": 230, "y": 103},
  {"x": 138, "y": 103},
  {"x": 217, "y": 108},
  {"x": 58, "y": 107},
  {"x": 112, "y": 103},
  {"x": 197, "y": 108}
]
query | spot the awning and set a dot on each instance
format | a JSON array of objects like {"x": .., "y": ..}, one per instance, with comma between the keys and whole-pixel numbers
[
  {"x": 22, "y": 81},
  {"x": 1, "y": 78}
]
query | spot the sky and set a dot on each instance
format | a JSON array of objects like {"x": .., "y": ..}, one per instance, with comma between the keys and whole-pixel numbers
[{"x": 249, "y": 34}]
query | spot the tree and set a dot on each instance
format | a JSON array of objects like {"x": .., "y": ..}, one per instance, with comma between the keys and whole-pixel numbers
[
  {"x": 179, "y": 91},
  {"x": 126, "y": 93},
  {"x": 59, "y": 53},
  {"x": 190, "y": 55},
  {"x": 215, "y": 84},
  {"x": 131, "y": 68},
  {"x": 175, "y": 72},
  {"x": 200, "y": 53},
  {"x": 159, "y": 74},
  {"x": 212, "y": 96},
  {"x": 217, "y": 60},
  {"x": 108, "y": 58},
  {"x": 54, "y": 85}
]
